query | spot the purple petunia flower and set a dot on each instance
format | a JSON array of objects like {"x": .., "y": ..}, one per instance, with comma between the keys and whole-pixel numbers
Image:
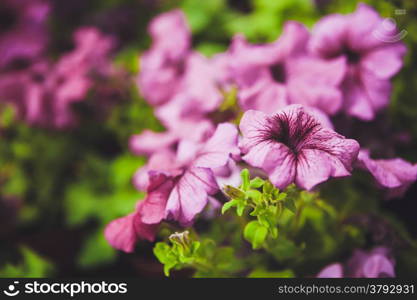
[
  {"x": 22, "y": 31},
  {"x": 395, "y": 174},
  {"x": 149, "y": 142},
  {"x": 43, "y": 93},
  {"x": 273, "y": 75},
  {"x": 183, "y": 84},
  {"x": 162, "y": 66},
  {"x": 292, "y": 145},
  {"x": 376, "y": 263},
  {"x": 191, "y": 169},
  {"x": 123, "y": 233},
  {"x": 179, "y": 186},
  {"x": 373, "y": 55}
]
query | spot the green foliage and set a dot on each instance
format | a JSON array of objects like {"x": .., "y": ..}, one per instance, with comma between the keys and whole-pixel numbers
[
  {"x": 266, "y": 20},
  {"x": 263, "y": 201},
  {"x": 261, "y": 273},
  {"x": 96, "y": 250},
  {"x": 205, "y": 257},
  {"x": 32, "y": 266}
]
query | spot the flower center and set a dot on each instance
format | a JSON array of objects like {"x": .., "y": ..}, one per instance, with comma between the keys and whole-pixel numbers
[
  {"x": 352, "y": 56},
  {"x": 294, "y": 130},
  {"x": 279, "y": 73}
]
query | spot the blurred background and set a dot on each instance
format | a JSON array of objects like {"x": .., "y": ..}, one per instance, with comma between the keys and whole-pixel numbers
[{"x": 64, "y": 177}]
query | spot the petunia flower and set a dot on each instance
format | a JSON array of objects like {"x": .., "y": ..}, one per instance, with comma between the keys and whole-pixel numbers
[
  {"x": 179, "y": 186},
  {"x": 292, "y": 146},
  {"x": 191, "y": 169},
  {"x": 23, "y": 35},
  {"x": 395, "y": 174},
  {"x": 123, "y": 233},
  {"x": 43, "y": 93},
  {"x": 149, "y": 142},
  {"x": 376, "y": 263},
  {"x": 184, "y": 85},
  {"x": 373, "y": 52},
  {"x": 162, "y": 66},
  {"x": 271, "y": 76}
]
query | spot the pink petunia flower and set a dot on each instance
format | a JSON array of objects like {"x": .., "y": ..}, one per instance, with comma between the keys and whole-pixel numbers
[
  {"x": 182, "y": 84},
  {"x": 123, "y": 233},
  {"x": 191, "y": 169},
  {"x": 373, "y": 53},
  {"x": 179, "y": 186},
  {"x": 273, "y": 75},
  {"x": 162, "y": 66},
  {"x": 43, "y": 93},
  {"x": 376, "y": 263},
  {"x": 292, "y": 145},
  {"x": 395, "y": 174},
  {"x": 23, "y": 34}
]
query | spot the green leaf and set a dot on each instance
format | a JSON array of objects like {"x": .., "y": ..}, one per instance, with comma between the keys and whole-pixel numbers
[
  {"x": 32, "y": 266},
  {"x": 290, "y": 205},
  {"x": 268, "y": 188},
  {"x": 96, "y": 250},
  {"x": 284, "y": 249},
  {"x": 233, "y": 193},
  {"x": 161, "y": 251},
  {"x": 229, "y": 204},
  {"x": 255, "y": 233},
  {"x": 245, "y": 179},
  {"x": 256, "y": 183},
  {"x": 255, "y": 195},
  {"x": 281, "y": 196},
  {"x": 240, "y": 208},
  {"x": 261, "y": 273},
  {"x": 274, "y": 232}
]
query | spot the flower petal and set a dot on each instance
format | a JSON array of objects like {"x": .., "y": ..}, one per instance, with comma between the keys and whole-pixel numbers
[
  {"x": 123, "y": 233},
  {"x": 217, "y": 150},
  {"x": 190, "y": 195},
  {"x": 331, "y": 271}
]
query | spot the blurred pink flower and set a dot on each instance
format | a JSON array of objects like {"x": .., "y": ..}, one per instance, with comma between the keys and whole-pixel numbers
[
  {"x": 43, "y": 93},
  {"x": 123, "y": 233},
  {"x": 293, "y": 146},
  {"x": 373, "y": 53},
  {"x": 395, "y": 174},
  {"x": 376, "y": 263},
  {"x": 182, "y": 83},
  {"x": 191, "y": 169},
  {"x": 149, "y": 142},
  {"x": 273, "y": 75},
  {"x": 23, "y": 34},
  {"x": 162, "y": 66}
]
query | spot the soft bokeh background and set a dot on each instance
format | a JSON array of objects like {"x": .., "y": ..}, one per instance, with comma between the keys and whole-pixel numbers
[{"x": 59, "y": 188}]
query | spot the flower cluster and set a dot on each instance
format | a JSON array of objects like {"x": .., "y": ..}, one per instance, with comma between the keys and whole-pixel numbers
[
  {"x": 288, "y": 91},
  {"x": 42, "y": 90},
  {"x": 376, "y": 263}
]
